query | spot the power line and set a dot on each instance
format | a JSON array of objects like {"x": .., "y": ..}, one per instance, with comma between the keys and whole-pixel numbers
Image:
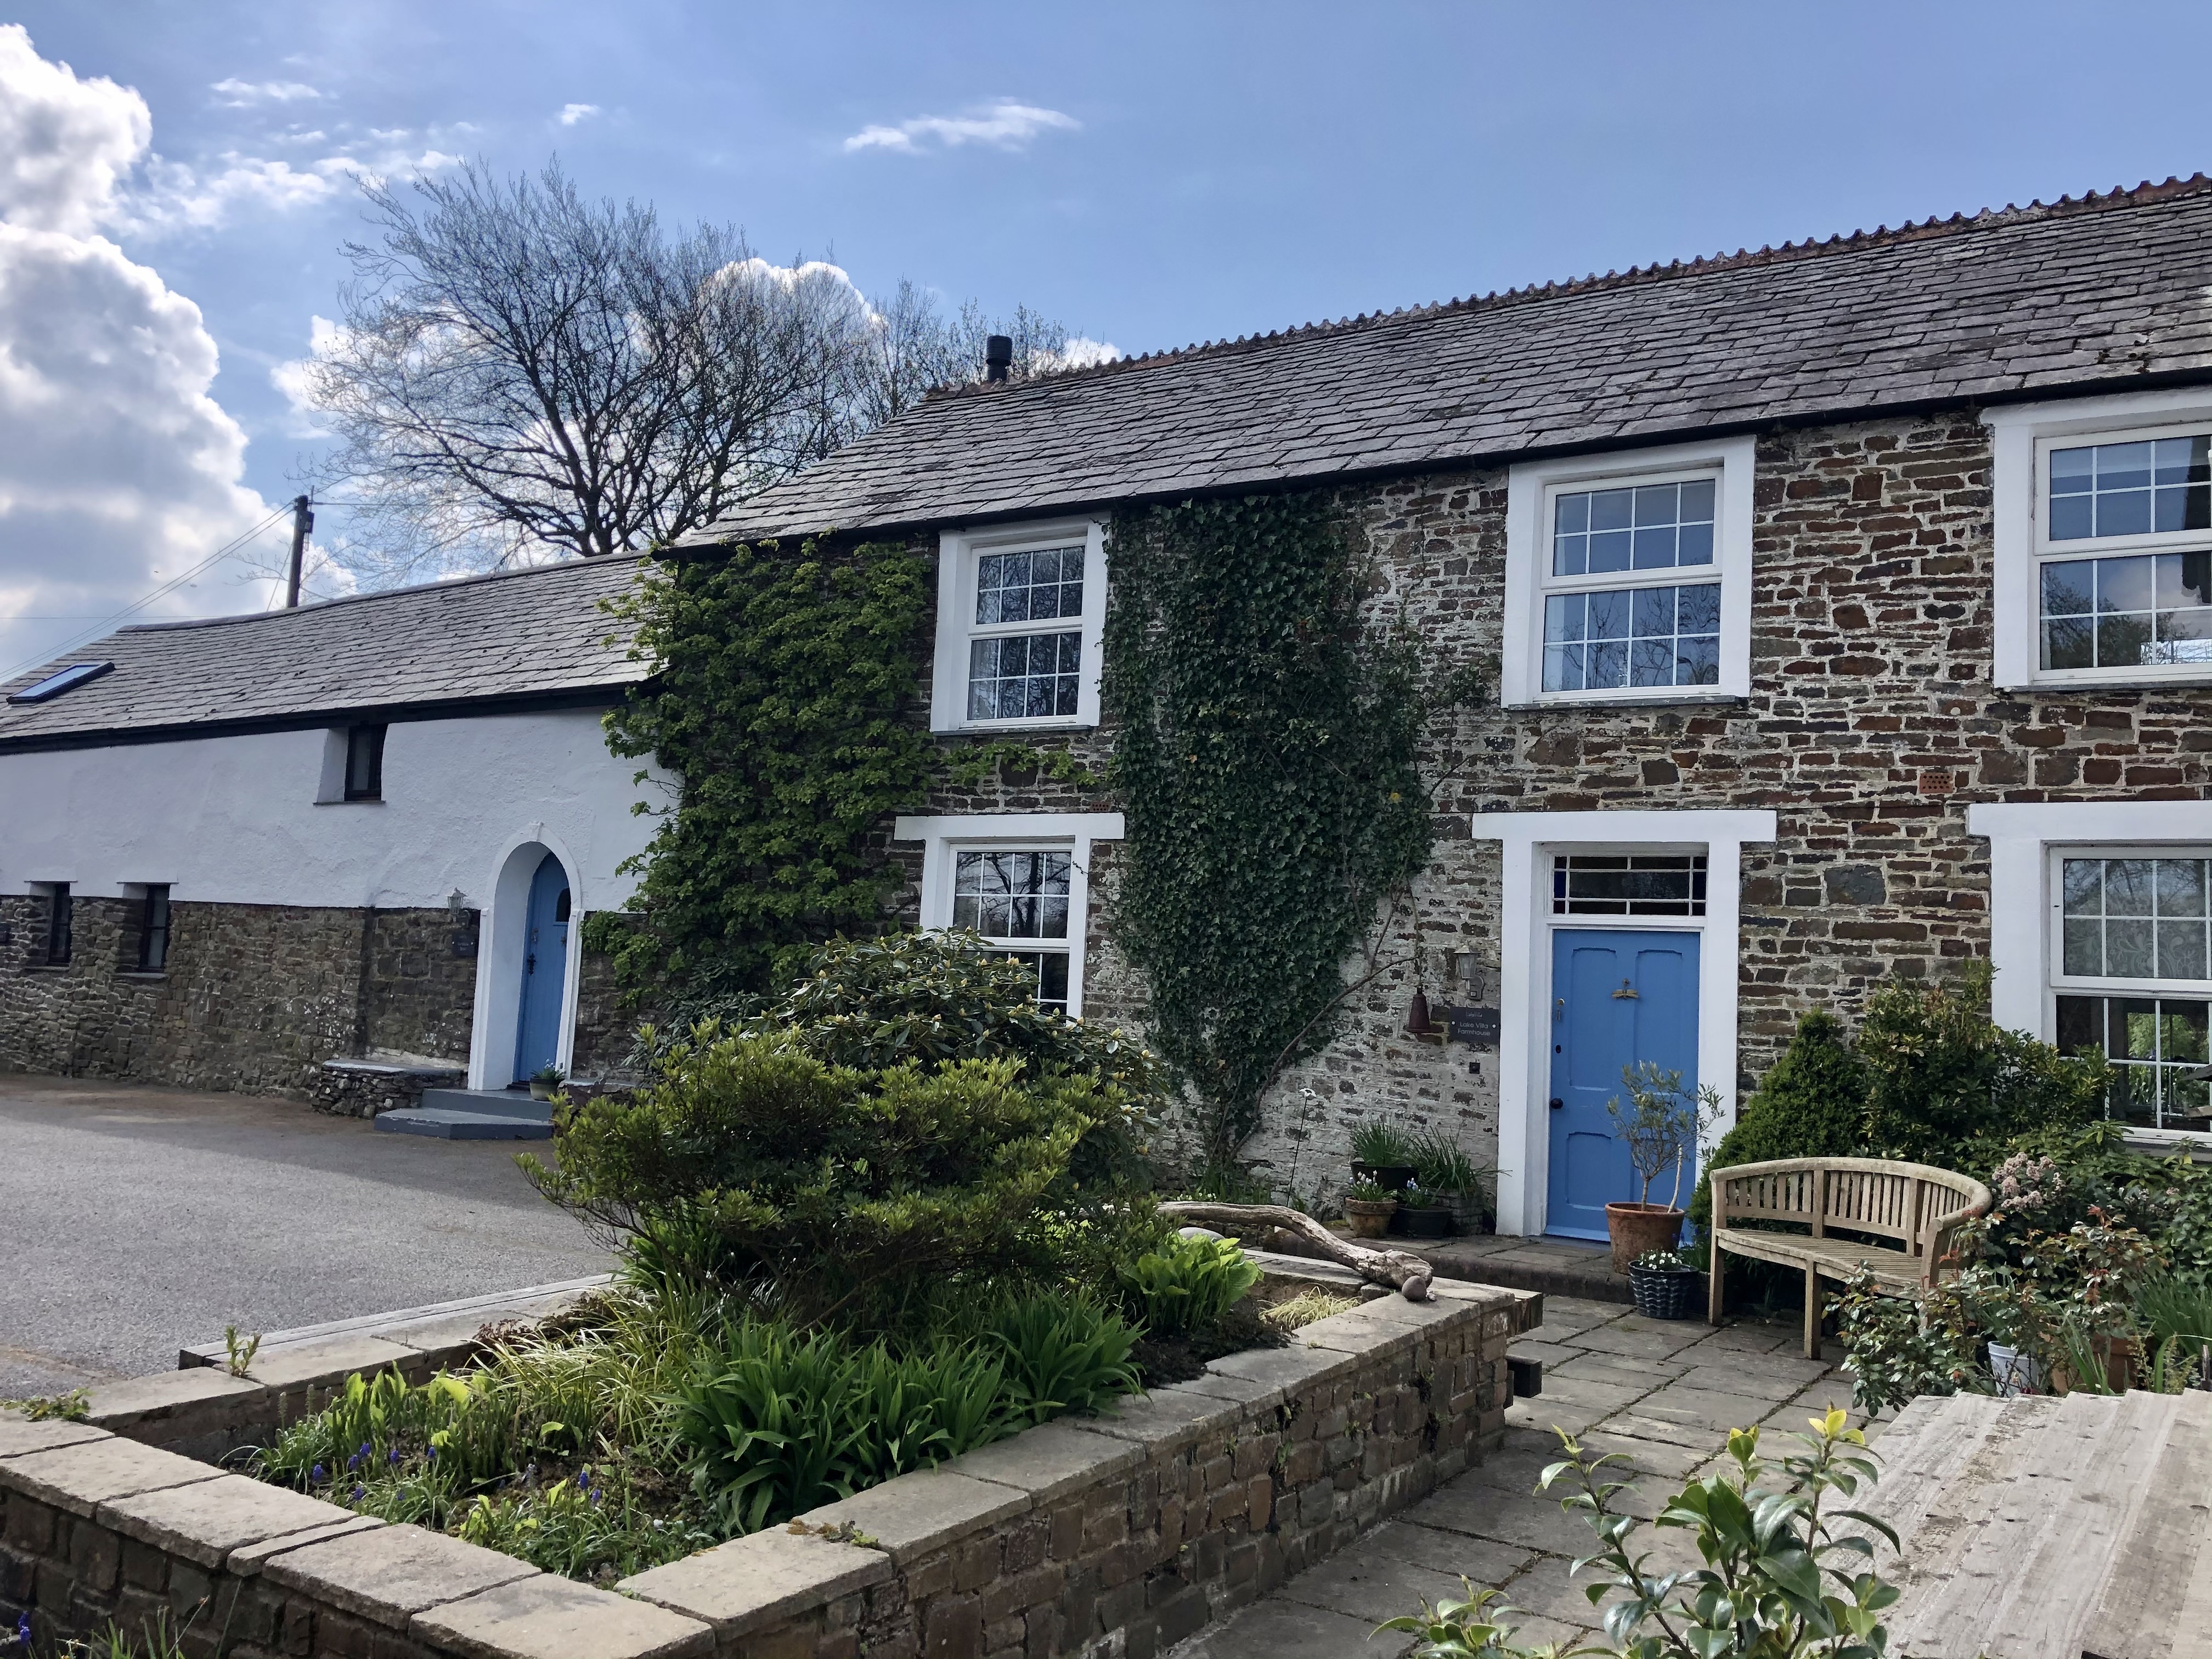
[{"x": 167, "y": 587}]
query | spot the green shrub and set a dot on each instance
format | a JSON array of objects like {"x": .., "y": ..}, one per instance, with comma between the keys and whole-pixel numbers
[
  {"x": 590, "y": 1527},
  {"x": 1187, "y": 1285},
  {"x": 1948, "y": 1086},
  {"x": 783, "y": 1422},
  {"x": 1063, "y": 1353},
  {"x": 860, "y": 1195},
  {"x": 1813, "y": 1104},
  {"x": 1442, "y": 1166},
  {"x": 1381, "y": 1144},
  {"x": 2169, "y": 1198}
]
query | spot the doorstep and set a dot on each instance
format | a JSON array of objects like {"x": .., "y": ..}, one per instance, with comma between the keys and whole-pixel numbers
[{"x": 1556, "y": 1266}]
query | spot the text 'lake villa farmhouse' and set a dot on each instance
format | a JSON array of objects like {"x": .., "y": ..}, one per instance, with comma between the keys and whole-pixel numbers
[{"x": 1839, "y": 614}]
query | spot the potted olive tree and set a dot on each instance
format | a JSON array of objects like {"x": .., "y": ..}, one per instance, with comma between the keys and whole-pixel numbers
[{"x": 1661, "y": 1126}]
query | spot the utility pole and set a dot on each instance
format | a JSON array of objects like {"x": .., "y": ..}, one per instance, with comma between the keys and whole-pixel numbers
[{"x": 302, "y": 522}]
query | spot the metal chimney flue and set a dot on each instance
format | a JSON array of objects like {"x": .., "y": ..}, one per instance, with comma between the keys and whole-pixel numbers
[{"x": 998, "y": 357}]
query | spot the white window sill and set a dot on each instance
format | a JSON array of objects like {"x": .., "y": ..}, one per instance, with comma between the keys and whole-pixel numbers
[
  {"x": 1673, "y": 698},
  {"x": 2201, "y": 681},
  {"x": 2197, "y": 1142},
  {"x": 1056, "y": 723}
]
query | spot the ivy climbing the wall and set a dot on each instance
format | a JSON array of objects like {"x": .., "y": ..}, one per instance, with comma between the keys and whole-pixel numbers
[
  {"x": 1266, "y": 763},
  {"x": 780, "y": 696}
]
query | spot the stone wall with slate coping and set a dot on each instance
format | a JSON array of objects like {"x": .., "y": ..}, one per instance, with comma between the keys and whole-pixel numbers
[
  {"x": 1112, "y": 1535},
  {"x": 254, "y": 997}
]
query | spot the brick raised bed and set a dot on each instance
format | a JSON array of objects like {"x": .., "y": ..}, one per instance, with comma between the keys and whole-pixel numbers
[{"x": 1113, "y": 1534}]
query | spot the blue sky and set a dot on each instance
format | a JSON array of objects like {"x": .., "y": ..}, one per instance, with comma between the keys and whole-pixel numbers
[{"x": 1183, "y": 171}]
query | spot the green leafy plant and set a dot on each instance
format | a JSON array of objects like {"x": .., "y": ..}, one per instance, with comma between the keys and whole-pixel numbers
[
  {"x": 73, "y": 1406},
  {"x": 1899, "y": 1347},
  {"x": 781, "y": 1422},
  {"x": 548, "y": 1075},
  {"x": 1417, "y": 1197},
  {"x": 238, "y": 1350},
  {"x": 1063, "y": 1353},
  {"x": 1371, "y": 1191},
  {"x": 1780, "y": 1579},
  {"x": 1380, "y": 1144},
  {"x": 1442, "y": 1166},
  {"x": 1662, "y": 1124},
  {"x": 843, "y": 1194},
  {"x": 157, "y": 1640},
  {"x": 781, "y": 684},
  {"x": 588, "y": 1527},
  {"x": 1270, "y": 730},
  {"x": 1187, "y": 1285},
  {"x": 1666, "y": 1261}
]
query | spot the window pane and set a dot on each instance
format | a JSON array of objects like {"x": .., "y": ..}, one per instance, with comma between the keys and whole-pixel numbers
[
  {"x": 1634, "y": 636},
  {"x": 1697, "y": 545},
  {"x": 1697, "y": 500},
  {"x": 1032, "y": 586},
  {"x": 1023, "y": 676},
  {"x": 1012, "y": 895},
  {"x": 2124, "y": 584},
  {"x": 2128, "y": 952},
  {"x": 2131, "y": 489},
  {"x": 1599, "y": 885},
  {"x": 2084, "y": 950},
  {"x": 2070, "y": 589},
  {"x": 2130, "y": 887},
  {"x": 2137, "y": 918},
  {"x": 2082, "y": 883}
]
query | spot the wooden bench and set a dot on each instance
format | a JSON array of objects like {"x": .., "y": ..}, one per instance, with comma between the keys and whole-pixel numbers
[{"x": 1916, "y": 1204}]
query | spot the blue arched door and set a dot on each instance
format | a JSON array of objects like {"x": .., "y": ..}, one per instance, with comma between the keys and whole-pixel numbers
[
  {"x": 544, "y": 970},
  {"x": 1619, "y": 999}
]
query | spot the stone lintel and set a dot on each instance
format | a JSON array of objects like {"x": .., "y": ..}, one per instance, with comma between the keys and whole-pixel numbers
[
  {"x": 205, "y": 1521},
  {"x": 81, "y": 1477},
  {"x": 390, "y": 1574},
  {"x": 1049, "y": 1460},
  {"x": 764, "y": 1579},
  {"x": 549, "y": 1617},
  {"x": 19, "y": 1437},
  {"x": 919, "y": 1511}
]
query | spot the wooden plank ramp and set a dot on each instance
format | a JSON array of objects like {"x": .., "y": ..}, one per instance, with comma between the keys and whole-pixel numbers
[{"x": 2078, "y": 1527}]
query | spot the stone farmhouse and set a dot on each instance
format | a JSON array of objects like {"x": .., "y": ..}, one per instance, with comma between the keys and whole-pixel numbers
[{"x": 1850, "y": 604}]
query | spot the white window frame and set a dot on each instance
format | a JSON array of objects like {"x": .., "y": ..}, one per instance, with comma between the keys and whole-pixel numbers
[
  {"x": 1525, "y": 927},
  {"x": 2027, "y": 839},
  {"x": 944, "y": 839},
  {"x": 959, "y": 550},
  {"x": 1531, "y": 489},
  {"x": 2021, "y": 436}
]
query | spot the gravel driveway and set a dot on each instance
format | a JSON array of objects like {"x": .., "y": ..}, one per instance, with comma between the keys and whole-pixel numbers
[{"x": 134, "y": 1221}]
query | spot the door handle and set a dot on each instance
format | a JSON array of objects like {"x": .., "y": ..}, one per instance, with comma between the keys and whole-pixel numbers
[
  {"x": 1556, "y": 1104},
  {"x": 529, "y": 964}
]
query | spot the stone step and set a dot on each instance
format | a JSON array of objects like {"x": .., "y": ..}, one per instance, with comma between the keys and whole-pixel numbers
[
  {"x": 447, "y": 1125},
  {"x": 495, "y": 1103}
]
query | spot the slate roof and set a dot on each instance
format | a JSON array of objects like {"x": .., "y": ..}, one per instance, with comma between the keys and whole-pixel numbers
[
  {"x": 2004, "y": 304},
  {"x": 535, "y": 634}
]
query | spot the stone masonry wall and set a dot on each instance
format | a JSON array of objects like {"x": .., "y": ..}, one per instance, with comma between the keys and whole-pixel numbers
[{"x": 253, "y": 997}]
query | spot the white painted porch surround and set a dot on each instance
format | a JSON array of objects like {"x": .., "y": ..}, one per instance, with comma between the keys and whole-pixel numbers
[{"x": 1528, "y": 841}]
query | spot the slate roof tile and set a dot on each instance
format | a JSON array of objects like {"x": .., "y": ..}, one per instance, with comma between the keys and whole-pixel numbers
[{"x": 529, "y": 633}]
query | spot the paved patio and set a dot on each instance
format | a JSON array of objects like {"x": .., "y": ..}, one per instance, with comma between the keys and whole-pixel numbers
[
  {"x": 1663, "y": 1393},
  {"x": 137, "y": 1220}
]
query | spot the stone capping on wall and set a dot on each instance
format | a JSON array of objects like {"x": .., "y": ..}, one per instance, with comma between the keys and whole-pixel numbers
[{"x": 1119, "y": 1533}]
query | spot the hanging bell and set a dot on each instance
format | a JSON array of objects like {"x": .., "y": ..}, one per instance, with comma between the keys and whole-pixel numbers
[{"x": 1417, "y": 1016}]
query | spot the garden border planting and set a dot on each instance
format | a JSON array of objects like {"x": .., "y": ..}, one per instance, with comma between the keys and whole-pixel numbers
[{"x": 1119, "y": 1534}]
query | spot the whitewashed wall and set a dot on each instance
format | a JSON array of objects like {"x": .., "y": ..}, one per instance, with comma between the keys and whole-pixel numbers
[{"x": 235, "y": 819}]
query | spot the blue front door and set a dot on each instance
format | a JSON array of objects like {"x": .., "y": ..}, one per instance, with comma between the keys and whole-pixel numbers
[
  {"x": 1618, "y": 1000},
  {"x": 544, "y": 966}
]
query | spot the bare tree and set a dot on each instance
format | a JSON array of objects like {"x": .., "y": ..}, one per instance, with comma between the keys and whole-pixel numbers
[{"x": 523, "y": 374}]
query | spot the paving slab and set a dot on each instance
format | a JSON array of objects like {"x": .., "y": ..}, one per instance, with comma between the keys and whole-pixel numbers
[
  {"x": 1165, "y": 1418},
  {"x": 1278, "y": 1628},
  {"x": 548, "y": 1617},
  {"x": 1397, "y": 1567},
  {"x": 248, "y": 1560},
  {"x": 1643, "y": 1373},
  {"x": 752, "y": 1582},
  {"x": 19, "y": 1437},
  {"x": 1048, "y": 1460}
]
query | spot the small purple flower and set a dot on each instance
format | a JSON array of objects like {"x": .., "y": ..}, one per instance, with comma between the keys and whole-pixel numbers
[
  {"x": 394, "y": 1456},
  {"x": 584, "y": 1479},
  {"x": 358, "y": 1492},
  {"x": 433, "y": 1454},
  {"x": 23, "y": 1632},
  {"x": 315, "y": 1474}
]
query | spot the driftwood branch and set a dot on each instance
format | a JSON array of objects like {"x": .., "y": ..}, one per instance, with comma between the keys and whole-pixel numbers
[{"x": 1409, "y": 1275}]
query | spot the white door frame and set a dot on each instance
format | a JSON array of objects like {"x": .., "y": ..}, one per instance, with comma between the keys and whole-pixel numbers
[
  {"x": 1524, "y": 944},
  {"x": 501, "y": 941}
]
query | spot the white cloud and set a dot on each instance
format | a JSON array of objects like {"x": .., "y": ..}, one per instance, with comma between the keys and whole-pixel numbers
[
  {"x": 1005, "y": 124},
  {"x": 118, "y": 470},
  {"x": 239, "y": 94},
  {"x": 571, "y": 113},
  {"x": 1081, "y": 352},
  {"x": 290, "y": 377},
  {"x": 66, "y": 145}
]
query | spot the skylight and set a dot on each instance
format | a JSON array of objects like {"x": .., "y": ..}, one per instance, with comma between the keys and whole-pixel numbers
[{"x": 63, "y": 679}]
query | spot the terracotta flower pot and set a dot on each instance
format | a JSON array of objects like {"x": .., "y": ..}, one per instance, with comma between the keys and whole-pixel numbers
[
  {"x": 1370, "y": 1219},
  {"x": 1636, "y": 1228}
]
